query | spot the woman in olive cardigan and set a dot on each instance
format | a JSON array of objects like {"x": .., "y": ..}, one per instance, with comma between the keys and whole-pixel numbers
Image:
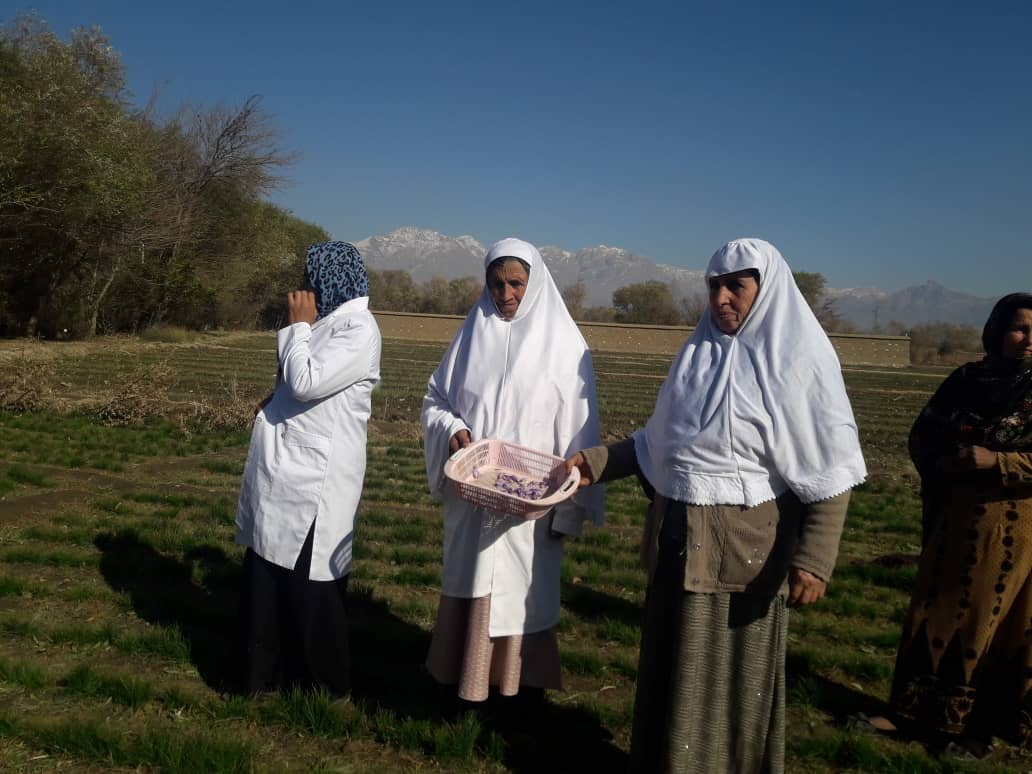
[{"x": 749, "y": 457}]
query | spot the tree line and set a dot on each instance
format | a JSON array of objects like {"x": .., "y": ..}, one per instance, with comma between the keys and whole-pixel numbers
[
  {"x": 115, "y": 219},
  {"x": 651, "y": 303}
]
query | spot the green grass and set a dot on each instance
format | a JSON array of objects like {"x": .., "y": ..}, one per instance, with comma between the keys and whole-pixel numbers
[
  {"x": 22, "y": 475},
  {"x": 120, "y": 590},
  {"x": 224, "y": 467},
  {"x": 11, "y": 586},
  {"x": 47, "y": 557},
  {"x": 125, "y": 690},
  {"x": 22, "y": 673},
  {"x": 97, "y": 742}
]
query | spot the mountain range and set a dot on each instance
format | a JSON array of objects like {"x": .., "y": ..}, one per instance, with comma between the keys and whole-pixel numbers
[{"x": 424, "y": 253}]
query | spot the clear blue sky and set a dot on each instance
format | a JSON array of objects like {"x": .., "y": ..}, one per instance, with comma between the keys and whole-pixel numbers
[{"x": 880, "y": 143}]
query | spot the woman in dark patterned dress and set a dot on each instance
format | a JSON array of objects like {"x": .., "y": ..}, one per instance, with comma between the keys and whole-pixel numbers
[{"x": 964, "y": 668}]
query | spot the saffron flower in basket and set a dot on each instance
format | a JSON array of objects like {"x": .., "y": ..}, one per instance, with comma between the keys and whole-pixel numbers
[{"x": 508, "y": 478}]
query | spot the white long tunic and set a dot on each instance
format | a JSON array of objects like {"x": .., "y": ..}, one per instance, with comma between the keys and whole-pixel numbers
[
  {"x": 307, "y": 456},
  {"x": 529, "y": 381}
]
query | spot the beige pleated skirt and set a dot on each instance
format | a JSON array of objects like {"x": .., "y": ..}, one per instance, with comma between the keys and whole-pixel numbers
[{"x": 462, "y": 653}]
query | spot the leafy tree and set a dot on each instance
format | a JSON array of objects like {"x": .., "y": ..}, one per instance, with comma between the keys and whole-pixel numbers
[
  {"x": 692, "y": 308},
  {"x": 944, "y": 342},
  {"x": 463, "y": 293},
  {"x": 111, "y": 219},
  {"x": 646, "y": 302},
  {"x": 811, "y": 285},
  {"x": 435, "y": 296},
  {"x": 394, "y": 290},
  {"x": 72, "y": 175},
  {"x": 598, "y": 314}
]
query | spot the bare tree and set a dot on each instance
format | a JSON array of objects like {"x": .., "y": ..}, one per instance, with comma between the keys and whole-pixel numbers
[{"x": 575, "y": 296}]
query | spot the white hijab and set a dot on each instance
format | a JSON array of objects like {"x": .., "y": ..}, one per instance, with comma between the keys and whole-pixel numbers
[
  {"x": 528, "y": 380},
  {"x": 742, "y": 418}
]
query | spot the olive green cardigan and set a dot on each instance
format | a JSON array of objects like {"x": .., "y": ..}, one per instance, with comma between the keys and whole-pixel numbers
[{"x": 732, "y": 547}]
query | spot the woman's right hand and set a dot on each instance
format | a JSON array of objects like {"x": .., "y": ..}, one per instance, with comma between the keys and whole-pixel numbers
[
  {"x": 301, "y": 307},
  {"x": 460, "y": 440},
  {"x": 578, "y": 461},
  {"x": 967, "y": 458}
]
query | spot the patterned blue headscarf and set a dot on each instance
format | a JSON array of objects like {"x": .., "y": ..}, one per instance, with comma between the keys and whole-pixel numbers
[{"x": 336, "y": 273}]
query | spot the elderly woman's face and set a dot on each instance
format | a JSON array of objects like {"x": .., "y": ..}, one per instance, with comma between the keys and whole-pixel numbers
[
  {"x": 731, "y": 297},
  {"x": 507, "y": 283},
  {"x": 1017, "y": 338}
]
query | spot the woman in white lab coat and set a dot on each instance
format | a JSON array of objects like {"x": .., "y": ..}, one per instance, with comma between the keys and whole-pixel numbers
[
  {"x": 518, "y": 370},
  {"x": 303, "y": 479}
]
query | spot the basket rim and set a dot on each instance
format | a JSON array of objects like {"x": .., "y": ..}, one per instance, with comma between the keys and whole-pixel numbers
[{"x": 563, "y": 492}]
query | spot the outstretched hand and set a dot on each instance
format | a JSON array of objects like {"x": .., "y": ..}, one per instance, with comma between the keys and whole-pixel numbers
[
  {"x": 578, "y": 461},
  {"x": 804, "y": 588}
]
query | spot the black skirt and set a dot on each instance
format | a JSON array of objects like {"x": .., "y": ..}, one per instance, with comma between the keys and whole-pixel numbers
[{"x": 295, "y": 630}]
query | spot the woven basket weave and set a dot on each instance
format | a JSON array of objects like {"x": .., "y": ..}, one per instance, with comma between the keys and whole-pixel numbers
[{"x": 473, "y": 470}]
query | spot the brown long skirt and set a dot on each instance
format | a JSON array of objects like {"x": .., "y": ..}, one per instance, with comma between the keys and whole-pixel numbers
[
  {"x": 964, "y": 665},
  {"x": 462, "y": 653}
]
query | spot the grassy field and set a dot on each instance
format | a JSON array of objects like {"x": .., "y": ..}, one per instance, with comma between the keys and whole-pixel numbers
[{"x": 120, "y": 463}]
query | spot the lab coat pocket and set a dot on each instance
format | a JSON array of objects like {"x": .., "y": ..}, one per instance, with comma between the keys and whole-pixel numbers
[{"x": 297, "y": 484}]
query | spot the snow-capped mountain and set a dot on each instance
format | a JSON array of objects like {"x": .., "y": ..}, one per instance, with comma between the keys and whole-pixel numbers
[
  {"x": 425, "y": 253},
  {"x": 868, "y": 308}
]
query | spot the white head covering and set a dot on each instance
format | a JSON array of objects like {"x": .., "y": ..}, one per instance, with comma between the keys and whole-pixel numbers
[
  {"x": 528, "y": 380},
  {"x": 742, "y": 418}
]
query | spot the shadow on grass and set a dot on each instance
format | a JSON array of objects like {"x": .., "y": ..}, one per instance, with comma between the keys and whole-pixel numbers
[
  {"x": 198, "y": 597},
  {"x": 163, "y": 592},
  {"x": 588, "y": 604},
  {"x": 558, "y": 739},
  {"x": 387, "y": 655},
  {"x": 809, "y": 688},
  {"x": 387, "y": 674}
]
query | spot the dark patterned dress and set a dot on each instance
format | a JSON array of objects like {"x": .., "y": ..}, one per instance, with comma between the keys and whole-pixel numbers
[{"x": 964, "y": 665}]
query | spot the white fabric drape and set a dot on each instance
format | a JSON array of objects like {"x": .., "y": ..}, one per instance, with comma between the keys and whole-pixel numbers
[
  {"x": 529, "y": 381},
  {"x": 742, "y": 418}
]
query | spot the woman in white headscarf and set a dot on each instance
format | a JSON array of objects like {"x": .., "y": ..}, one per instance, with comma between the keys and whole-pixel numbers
[
  {"x": 749, "y": 456},
  {"x": 517, "y": 370}
]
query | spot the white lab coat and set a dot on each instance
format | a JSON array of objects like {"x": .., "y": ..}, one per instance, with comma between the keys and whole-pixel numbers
[{"x": 307, "y": 456}]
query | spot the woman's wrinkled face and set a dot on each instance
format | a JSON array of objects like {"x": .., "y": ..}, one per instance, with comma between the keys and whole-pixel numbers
[
  {"x": 1017, "y": 338},
  {"x": 731, "y": 296},
  {"x": 507, "y": 283}
]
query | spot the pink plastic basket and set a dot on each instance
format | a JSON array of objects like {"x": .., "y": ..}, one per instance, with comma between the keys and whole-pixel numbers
[{"x": 473, "y": 471}]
